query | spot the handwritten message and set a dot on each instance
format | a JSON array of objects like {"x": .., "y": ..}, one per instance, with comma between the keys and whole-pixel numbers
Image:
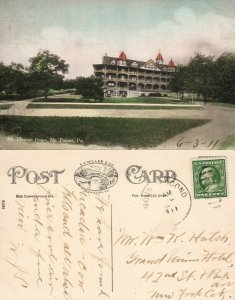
[{"x": 60, "y": 248}]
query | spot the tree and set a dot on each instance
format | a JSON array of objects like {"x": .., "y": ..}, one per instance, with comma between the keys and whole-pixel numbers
[
  {"x": 13, "y": 80},
  {"x": 4, "y": 77},
  {"x": 18, "y": 79},
  {"x": 47, "y": 71},
  {"x": 178, "y": 82},
  {"x": 200, "y": 76},
  {"x": 225, "y": 77},
  {"x": 90, "y": 87},
  {"x": 69, "y": 84}
]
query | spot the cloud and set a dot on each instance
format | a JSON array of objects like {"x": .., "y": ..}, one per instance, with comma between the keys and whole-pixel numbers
[
  {"x": 185, "y": 16},
  {"x": 187, "y": 33},
  {"x": 180, "y": 36}
]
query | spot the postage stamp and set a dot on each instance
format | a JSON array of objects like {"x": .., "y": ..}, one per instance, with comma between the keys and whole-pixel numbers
[{"x": 209, "y": 178}]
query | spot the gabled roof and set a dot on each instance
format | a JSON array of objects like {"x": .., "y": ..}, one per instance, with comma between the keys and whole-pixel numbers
[{"x": 151, "y": 62}]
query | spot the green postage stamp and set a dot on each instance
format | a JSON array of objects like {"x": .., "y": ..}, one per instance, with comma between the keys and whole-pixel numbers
[{"x": 209, "y": 178}]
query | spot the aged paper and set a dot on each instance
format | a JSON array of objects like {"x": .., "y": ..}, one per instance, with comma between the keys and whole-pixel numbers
[
  {"x": 117, "y": 74},
  {"x": 117, "y": 225}
]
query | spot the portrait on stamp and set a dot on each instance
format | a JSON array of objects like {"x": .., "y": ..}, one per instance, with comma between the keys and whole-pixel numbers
[{"x": 210, "y": 179}]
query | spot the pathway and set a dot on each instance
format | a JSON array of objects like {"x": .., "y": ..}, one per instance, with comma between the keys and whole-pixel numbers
[
  {"x": 207, "y": 136},
  {"x": 19, "y": 108}
]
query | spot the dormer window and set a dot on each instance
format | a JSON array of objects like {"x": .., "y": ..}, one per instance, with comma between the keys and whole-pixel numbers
[
  {"x": 134, "y": 64},
  {"x": 113, "y": 62},
  {"x": 121, "y": 63}
]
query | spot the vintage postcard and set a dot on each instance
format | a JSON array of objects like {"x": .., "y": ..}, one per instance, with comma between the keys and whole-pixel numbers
[
  {"x": 117, "y": 225},
  {"x": 117, "y": 74}
]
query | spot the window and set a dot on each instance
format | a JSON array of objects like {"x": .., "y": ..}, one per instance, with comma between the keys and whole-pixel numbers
[
  {"x": 121, "y": 63},
  {"x": 134, "y": 64},
  {"x": 150, "y": 66},
  {"x": 113, "y": 62}
]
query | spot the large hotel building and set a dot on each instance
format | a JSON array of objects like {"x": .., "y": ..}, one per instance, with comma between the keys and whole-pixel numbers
[{"x": 129, "y": 78}]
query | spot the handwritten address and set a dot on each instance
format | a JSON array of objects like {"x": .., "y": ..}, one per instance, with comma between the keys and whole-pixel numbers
[{"x": 180, "y": 265}]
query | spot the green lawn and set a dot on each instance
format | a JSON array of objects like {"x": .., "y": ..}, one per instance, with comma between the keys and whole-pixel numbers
[
  {"x": 129, "y": 133},
  {"x": 5, "y": 106},
  {"x": 97, "y": 106},
  {"x": 224, "y": 105},
  {"x": 159, "y": 100},
  {"x": 228, "y": 143},
  {"x": 62, "y": 98},
  {"x": 78, "y": 99}
]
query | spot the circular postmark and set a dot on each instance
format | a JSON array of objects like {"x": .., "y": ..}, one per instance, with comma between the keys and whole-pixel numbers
[
  {"x": 96, "y": 176},
  {"x": 170, "y": 200}
]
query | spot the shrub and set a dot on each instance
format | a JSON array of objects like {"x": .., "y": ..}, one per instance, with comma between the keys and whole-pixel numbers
[{"x": 155, "y": 95}]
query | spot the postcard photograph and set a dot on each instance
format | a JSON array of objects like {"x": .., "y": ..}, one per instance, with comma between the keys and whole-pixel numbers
[{"x": 113, "y": 74}]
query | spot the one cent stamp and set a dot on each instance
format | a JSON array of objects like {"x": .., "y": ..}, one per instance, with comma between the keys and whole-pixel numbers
[
  {"x": 209, "y": 178},
  {"x": 96, "y": 176}
]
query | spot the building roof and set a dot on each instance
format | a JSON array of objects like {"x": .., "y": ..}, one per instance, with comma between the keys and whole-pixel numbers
[
  {"x": 122, "y": 56},
  {"x": 110, "y": 60},
  {"x": 159, "y": 56},
  {"x": 107, "y": 60},
  {"x": 171, "y": 64}
]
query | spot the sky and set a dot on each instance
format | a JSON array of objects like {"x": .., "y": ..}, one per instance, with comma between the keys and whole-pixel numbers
[{"x": 82, "y": 31}]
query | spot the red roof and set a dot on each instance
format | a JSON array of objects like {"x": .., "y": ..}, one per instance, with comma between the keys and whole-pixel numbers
[
  {"x": 171, "y": 64},
  {"x": 122, "y": 56},
  {"x": 159, "y": 57}
]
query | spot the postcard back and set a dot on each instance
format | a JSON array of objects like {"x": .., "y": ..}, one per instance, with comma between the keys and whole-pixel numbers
[{"x": 113, "y": 225}]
